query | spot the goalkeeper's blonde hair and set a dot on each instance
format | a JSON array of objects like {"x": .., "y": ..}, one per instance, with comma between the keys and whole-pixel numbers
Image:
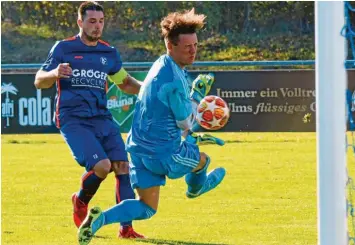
[{"x": 177, "y": 23}]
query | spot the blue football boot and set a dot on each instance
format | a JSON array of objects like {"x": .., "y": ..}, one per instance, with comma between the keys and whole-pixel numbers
[{"x": 214, "y": 178}]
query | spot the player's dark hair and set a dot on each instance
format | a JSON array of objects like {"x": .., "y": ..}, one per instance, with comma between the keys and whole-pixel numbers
[
  {"x": 177, "y": 23},
  {"x": 89, "y": 5}
]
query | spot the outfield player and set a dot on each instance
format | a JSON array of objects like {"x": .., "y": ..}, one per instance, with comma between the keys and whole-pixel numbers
[
  {"x": 163, "y": 108},
  {"x": 80, "y": 66}
]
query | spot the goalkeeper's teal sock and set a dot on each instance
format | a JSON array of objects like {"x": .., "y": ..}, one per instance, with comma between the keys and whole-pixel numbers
[
  {"x": 124, "y": 191},
  {"x": 125, "y": 211},
  {"x": 196, "y": 180}
]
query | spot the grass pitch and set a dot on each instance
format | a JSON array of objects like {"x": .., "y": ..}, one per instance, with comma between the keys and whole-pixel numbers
[{"x": 267, "y": 198}]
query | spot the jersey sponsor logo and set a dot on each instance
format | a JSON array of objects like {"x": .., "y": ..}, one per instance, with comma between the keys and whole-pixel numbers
[
  {"x": 89, "y": 78},
  {"x": 78, "y": 57}
]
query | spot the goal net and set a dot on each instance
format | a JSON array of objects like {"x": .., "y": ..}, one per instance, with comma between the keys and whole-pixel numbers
[{"x": 349, "y": 33}]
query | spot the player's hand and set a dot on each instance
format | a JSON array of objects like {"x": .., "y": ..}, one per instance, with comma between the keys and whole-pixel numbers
[
  {"x": 199, "y": 139},
  {"x": 63, "y": 71},
  {"x": 201, "y": 86}
]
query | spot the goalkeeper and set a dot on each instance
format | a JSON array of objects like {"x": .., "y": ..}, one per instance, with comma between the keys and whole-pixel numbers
[{"x": 162, "y": 109}]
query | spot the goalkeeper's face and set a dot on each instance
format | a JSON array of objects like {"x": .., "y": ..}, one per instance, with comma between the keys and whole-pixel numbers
[{"x": 184, "y": 52}]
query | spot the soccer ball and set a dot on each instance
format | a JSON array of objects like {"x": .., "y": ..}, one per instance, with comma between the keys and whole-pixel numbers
[{"x": 212, "y": 113}]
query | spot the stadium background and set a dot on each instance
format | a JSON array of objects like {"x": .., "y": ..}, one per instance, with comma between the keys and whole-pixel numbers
[{"x": 235, "y": 31}]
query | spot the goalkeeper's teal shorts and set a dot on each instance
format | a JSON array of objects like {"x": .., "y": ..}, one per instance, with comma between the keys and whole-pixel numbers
[{"x": 148, "y": 172}]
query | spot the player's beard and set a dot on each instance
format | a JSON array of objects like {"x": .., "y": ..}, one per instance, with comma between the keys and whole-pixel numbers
[{"x": 92, "y": 38}]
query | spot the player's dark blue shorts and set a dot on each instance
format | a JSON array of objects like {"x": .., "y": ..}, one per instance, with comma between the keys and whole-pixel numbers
[
  {"x": 147, "y": 172},
  {"x": 94, "y": 139}
]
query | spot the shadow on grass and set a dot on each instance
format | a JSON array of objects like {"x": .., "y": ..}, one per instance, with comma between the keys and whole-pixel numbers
[
  {"x": 262, "y": 141},
  {"x": 254, "y": 141},
  {"x": 26, "y": 142},
  {"x": 102, "y": 237},
  {"x": 172, "y": 242},
  {"x": 163, "y": 241}
]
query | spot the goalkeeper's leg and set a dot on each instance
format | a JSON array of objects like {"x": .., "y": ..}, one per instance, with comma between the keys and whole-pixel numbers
[
  {"x": 147, "y": 184},
  {"x": 199, "y": 182}
]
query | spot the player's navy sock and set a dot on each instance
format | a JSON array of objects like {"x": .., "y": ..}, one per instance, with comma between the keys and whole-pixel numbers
[
  {"x": 90, "y": 182},
  {"x": 124, "y": 191},
  {"x": 125, "y": 211},
  {"x": 196, "y": 180}
]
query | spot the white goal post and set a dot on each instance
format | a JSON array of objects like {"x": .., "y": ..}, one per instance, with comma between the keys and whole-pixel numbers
[{"x": 331, "y": 84}]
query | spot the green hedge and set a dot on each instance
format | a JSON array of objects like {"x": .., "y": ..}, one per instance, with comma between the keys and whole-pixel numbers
[{"x": 234, "y": 30}]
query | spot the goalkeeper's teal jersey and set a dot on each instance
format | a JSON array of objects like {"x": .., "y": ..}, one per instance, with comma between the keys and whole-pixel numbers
[{"x": 163, "y": 100}]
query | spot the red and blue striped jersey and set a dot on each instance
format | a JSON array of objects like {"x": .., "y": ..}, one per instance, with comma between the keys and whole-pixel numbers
[{"x": 83, "y": 95}]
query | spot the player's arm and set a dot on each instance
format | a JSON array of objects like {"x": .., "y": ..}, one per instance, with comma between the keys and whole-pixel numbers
[
  {"x": 125, "y": 82},
  {"x": 180, "y": 105},
  {"x": 52, "y": 69},
  {"x": 46, "y": 79},
  {"x": 130, "y": 85},
  {"x": 181, "y": 108},
  {"x": 122, "y": 79},
  {"x": 195, "y": 138}
]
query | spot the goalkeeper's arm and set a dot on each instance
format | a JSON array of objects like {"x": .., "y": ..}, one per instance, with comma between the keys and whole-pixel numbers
[
  {"x": 194, "y": 138},
  {"x": 201, "y": 86},
  {"x": 182, "y": 110},
  {"x": 187, "y": 126}
]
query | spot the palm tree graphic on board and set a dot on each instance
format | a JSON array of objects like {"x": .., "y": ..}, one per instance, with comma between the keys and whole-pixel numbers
[{"x": 8, "y": 88}]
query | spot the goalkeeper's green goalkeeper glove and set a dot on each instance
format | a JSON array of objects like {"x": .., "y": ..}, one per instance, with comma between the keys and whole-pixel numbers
[
  {"x": 203, "y": 139},
  {"x": 201, "y": 86}
]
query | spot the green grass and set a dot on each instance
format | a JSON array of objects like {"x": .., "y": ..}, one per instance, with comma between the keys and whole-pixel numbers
[{"x": 267, "y": 198}]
